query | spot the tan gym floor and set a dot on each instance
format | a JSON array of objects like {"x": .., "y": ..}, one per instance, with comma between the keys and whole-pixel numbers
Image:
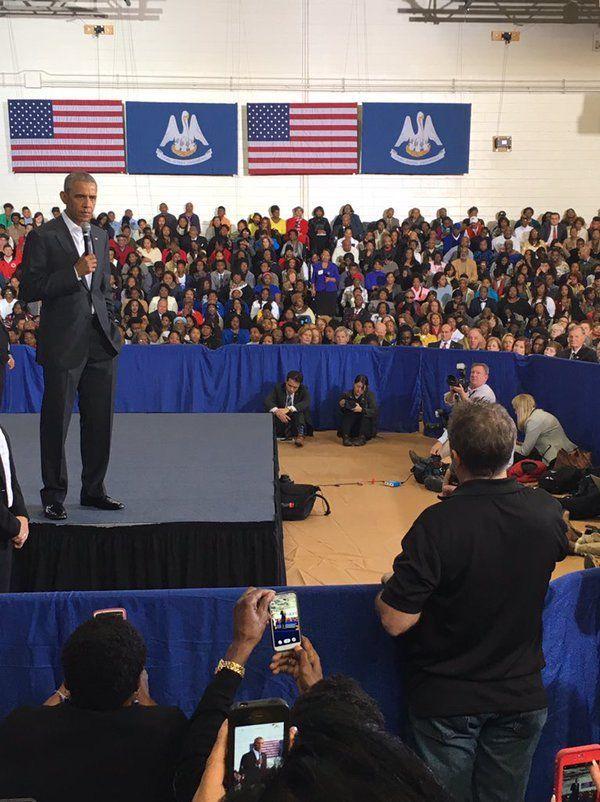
[{"x": 357, "y": 543}]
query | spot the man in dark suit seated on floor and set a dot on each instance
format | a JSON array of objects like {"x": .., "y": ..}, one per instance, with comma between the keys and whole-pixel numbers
[
  {"x": 14, "y": 520},
  {"x": 289, "y": 403},
  {"x": 577, "y": 348},
  {"x": 445, "y": 341}
]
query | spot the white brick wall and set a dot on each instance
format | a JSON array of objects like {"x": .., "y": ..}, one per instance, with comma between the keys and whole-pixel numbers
[{"x": 556, "y": 136}]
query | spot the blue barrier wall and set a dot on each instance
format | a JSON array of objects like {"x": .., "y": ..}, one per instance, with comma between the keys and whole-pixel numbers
[
  {"x": 236, "y": 379},
  {"x": 187, "y": 632}
]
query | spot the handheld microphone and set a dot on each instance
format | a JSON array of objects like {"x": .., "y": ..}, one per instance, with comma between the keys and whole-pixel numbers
[{"x": 87, "y": 239}]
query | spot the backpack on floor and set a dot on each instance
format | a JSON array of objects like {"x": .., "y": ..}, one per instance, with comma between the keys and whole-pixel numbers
[
  {"x": 297, "y": 501},
  {"x": 561, "y": 480},
  {"x": 585, "y": 503}
]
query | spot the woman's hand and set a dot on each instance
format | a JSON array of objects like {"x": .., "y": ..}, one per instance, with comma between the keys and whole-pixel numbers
[{"x": 212, "y": 786}]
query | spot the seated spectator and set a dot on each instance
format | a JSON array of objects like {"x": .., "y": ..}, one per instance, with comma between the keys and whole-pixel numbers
[
  {"x": 544, "y": 436},
  {"x": 289, "y": 404},
  {"x": 359, "y": 413},
  {"x": 445, "y": 342},
  {"x": 235, "y": 335},
  {"x": 118, "y": 743},
  {"x": 339, "y": 751},
  {"x": 577, "y": 349}
]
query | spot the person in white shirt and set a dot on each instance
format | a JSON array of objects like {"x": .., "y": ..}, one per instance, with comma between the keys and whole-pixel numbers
[
  {"x": 478, "y": 390},
  {"x": 499, "y": 242}
]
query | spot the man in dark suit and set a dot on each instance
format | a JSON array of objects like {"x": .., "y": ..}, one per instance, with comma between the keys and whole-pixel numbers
[
  {"x": 5, "y": 357},
  {"x": 290, "y": 405},
  {"x": 554, "y": 230},
  {"x": 66, "y": 266},
  {"x": 445, "y": 342},
  {"x": 253, "y": 764},
  {"x": 170, "y": 219},
  {"x": 155, "y": 318},
  {"x": 14, "y": 520},
  {"x": 577, "y": 348},
  {"x": 481, "y": 302}
]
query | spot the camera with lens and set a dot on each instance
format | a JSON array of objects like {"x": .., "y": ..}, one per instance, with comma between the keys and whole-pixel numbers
[
  {"x": 460, "y": 380},
  {"x": 350, "y": 404}
]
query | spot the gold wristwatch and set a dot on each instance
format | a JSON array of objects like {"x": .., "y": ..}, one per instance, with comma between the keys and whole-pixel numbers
[{"x": 236, "y": 667}]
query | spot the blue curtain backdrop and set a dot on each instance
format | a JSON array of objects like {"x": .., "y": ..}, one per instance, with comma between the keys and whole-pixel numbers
[
  {"x": 237, "y": 378},
  {"x": 187, "y": 632}
]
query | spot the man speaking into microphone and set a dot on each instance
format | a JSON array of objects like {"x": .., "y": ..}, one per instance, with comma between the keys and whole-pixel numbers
[{"x": 66, "y": 267}]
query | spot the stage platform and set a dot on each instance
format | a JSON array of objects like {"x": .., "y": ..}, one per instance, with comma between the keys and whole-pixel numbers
[{"x": 202, "y": 506}]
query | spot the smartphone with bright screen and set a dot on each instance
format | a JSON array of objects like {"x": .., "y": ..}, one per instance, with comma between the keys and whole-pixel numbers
[
  {"x": 573, "y": 781},
  {"x": 111, "y": 612},
  {"x": 258, "y": 738},
  {"x": 285, "y": 622}
]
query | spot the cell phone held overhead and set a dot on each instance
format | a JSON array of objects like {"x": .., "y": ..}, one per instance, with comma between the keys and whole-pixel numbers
[
  {"x": 111, "y": 612},
  {"x": 258, "y": 740},
  {"x": 285, "y": 622},
  {"x": 573, "y": 780}
]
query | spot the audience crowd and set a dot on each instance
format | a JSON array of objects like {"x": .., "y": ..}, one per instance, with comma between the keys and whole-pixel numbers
[{"x": 529, "y": 285}]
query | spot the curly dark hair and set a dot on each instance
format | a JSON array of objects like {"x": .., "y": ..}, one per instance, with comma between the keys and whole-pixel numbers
[
  {"x": 102, "y": 662},
  {"x": 343, "y": 753}
]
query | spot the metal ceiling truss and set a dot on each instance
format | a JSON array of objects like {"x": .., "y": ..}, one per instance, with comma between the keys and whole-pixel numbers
[
  {"x": 84, "y": 9},
  {"x": 517, "y": 12}
]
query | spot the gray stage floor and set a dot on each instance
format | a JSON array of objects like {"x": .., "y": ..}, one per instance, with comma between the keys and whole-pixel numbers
[{"x": 164, "y": 467}]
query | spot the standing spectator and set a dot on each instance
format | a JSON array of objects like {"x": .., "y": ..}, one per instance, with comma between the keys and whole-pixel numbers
[
  {"x": 477, "y": 704},
  {"x": 325, "y": 282},
  {"x": 298, "y": 224}
]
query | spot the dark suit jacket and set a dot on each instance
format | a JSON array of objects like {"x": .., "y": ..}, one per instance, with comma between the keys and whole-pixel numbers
[
  {"x": 249, "y": 769},
  {"x": 4, "y": 344},
  {"x": 547, "y": 228},
  {"x": 584, "y": 354},
  {"x": 277, "y": 396},
  {"x": 49, "y": 276},
  {"x": 9, "y": 526},
  {"x": 155, "y": 319},
  {"x": 476, "y": 308},
  {"x": 452, "y": 345}
]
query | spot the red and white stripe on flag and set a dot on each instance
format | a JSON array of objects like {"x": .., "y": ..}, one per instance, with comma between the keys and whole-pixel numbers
[
  {"x": 319, "y": 138},
  {"x": 61, "y": 136}
]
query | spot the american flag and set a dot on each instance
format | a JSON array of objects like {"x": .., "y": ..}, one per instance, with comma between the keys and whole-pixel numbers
[
  {"x": 302, "y": 138},
  {"x": 61, "y": 136}
]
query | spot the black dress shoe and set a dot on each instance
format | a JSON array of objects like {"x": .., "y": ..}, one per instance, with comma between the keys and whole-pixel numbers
[
  {"x": 102, "y": 503},
  {"x": 55, "y": 512}
]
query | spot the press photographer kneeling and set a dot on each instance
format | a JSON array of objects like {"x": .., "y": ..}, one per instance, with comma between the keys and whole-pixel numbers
[{"x": 476, "y": 389}]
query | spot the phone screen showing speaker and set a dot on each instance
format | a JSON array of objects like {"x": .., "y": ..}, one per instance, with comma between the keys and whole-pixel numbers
[
  {"x": 257, "y": 748},
  {"x": 285, "y": 622},
  {"x": 577, "y": 784}
]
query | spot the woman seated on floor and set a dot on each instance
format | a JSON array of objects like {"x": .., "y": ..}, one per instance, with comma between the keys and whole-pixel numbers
[
  {"x": 544, "y": 435},
  {"x": 359, "y": 413}
]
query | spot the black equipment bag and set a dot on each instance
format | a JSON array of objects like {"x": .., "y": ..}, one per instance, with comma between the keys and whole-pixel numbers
[
  {"x": 297, "y": 501},
  {"x": 585, "y": 503},
  {"x": 561, "y": 480}
]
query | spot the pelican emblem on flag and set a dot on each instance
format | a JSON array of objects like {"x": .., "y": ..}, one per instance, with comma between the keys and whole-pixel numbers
[
  {"x": 421, "y": 146},
  {"x": 185, "y": 143}
]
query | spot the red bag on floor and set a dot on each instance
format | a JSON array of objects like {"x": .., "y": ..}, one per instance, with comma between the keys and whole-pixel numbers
[{"x": 527, "y": 471}]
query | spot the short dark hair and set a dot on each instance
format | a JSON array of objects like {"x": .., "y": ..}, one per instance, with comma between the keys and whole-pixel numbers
[
  {"x": 483, "y": 435},
  {"x": 78, "y": 176},
  {"x": 102, "y": 662},
  {"x": 295, "y": 376}
]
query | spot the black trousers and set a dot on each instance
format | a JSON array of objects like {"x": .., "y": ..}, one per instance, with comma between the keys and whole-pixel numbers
[
  {"x": 296, "y": 426},
  {"x": 94, "y": 381},
  {"x": 356, "y": 424},
  {"x": 5, "y": 565}
]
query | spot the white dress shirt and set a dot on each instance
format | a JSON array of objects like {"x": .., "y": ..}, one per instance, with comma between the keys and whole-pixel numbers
[
  {"x": 5, "y": 457},
  {"x": 483, "y": 393},
  {"x": 76, "y": 233}
]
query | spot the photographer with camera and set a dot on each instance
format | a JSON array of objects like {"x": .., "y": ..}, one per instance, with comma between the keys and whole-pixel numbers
[
  {"x": 463, "y": 391},
  {"x": 359, "y": 413}
]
